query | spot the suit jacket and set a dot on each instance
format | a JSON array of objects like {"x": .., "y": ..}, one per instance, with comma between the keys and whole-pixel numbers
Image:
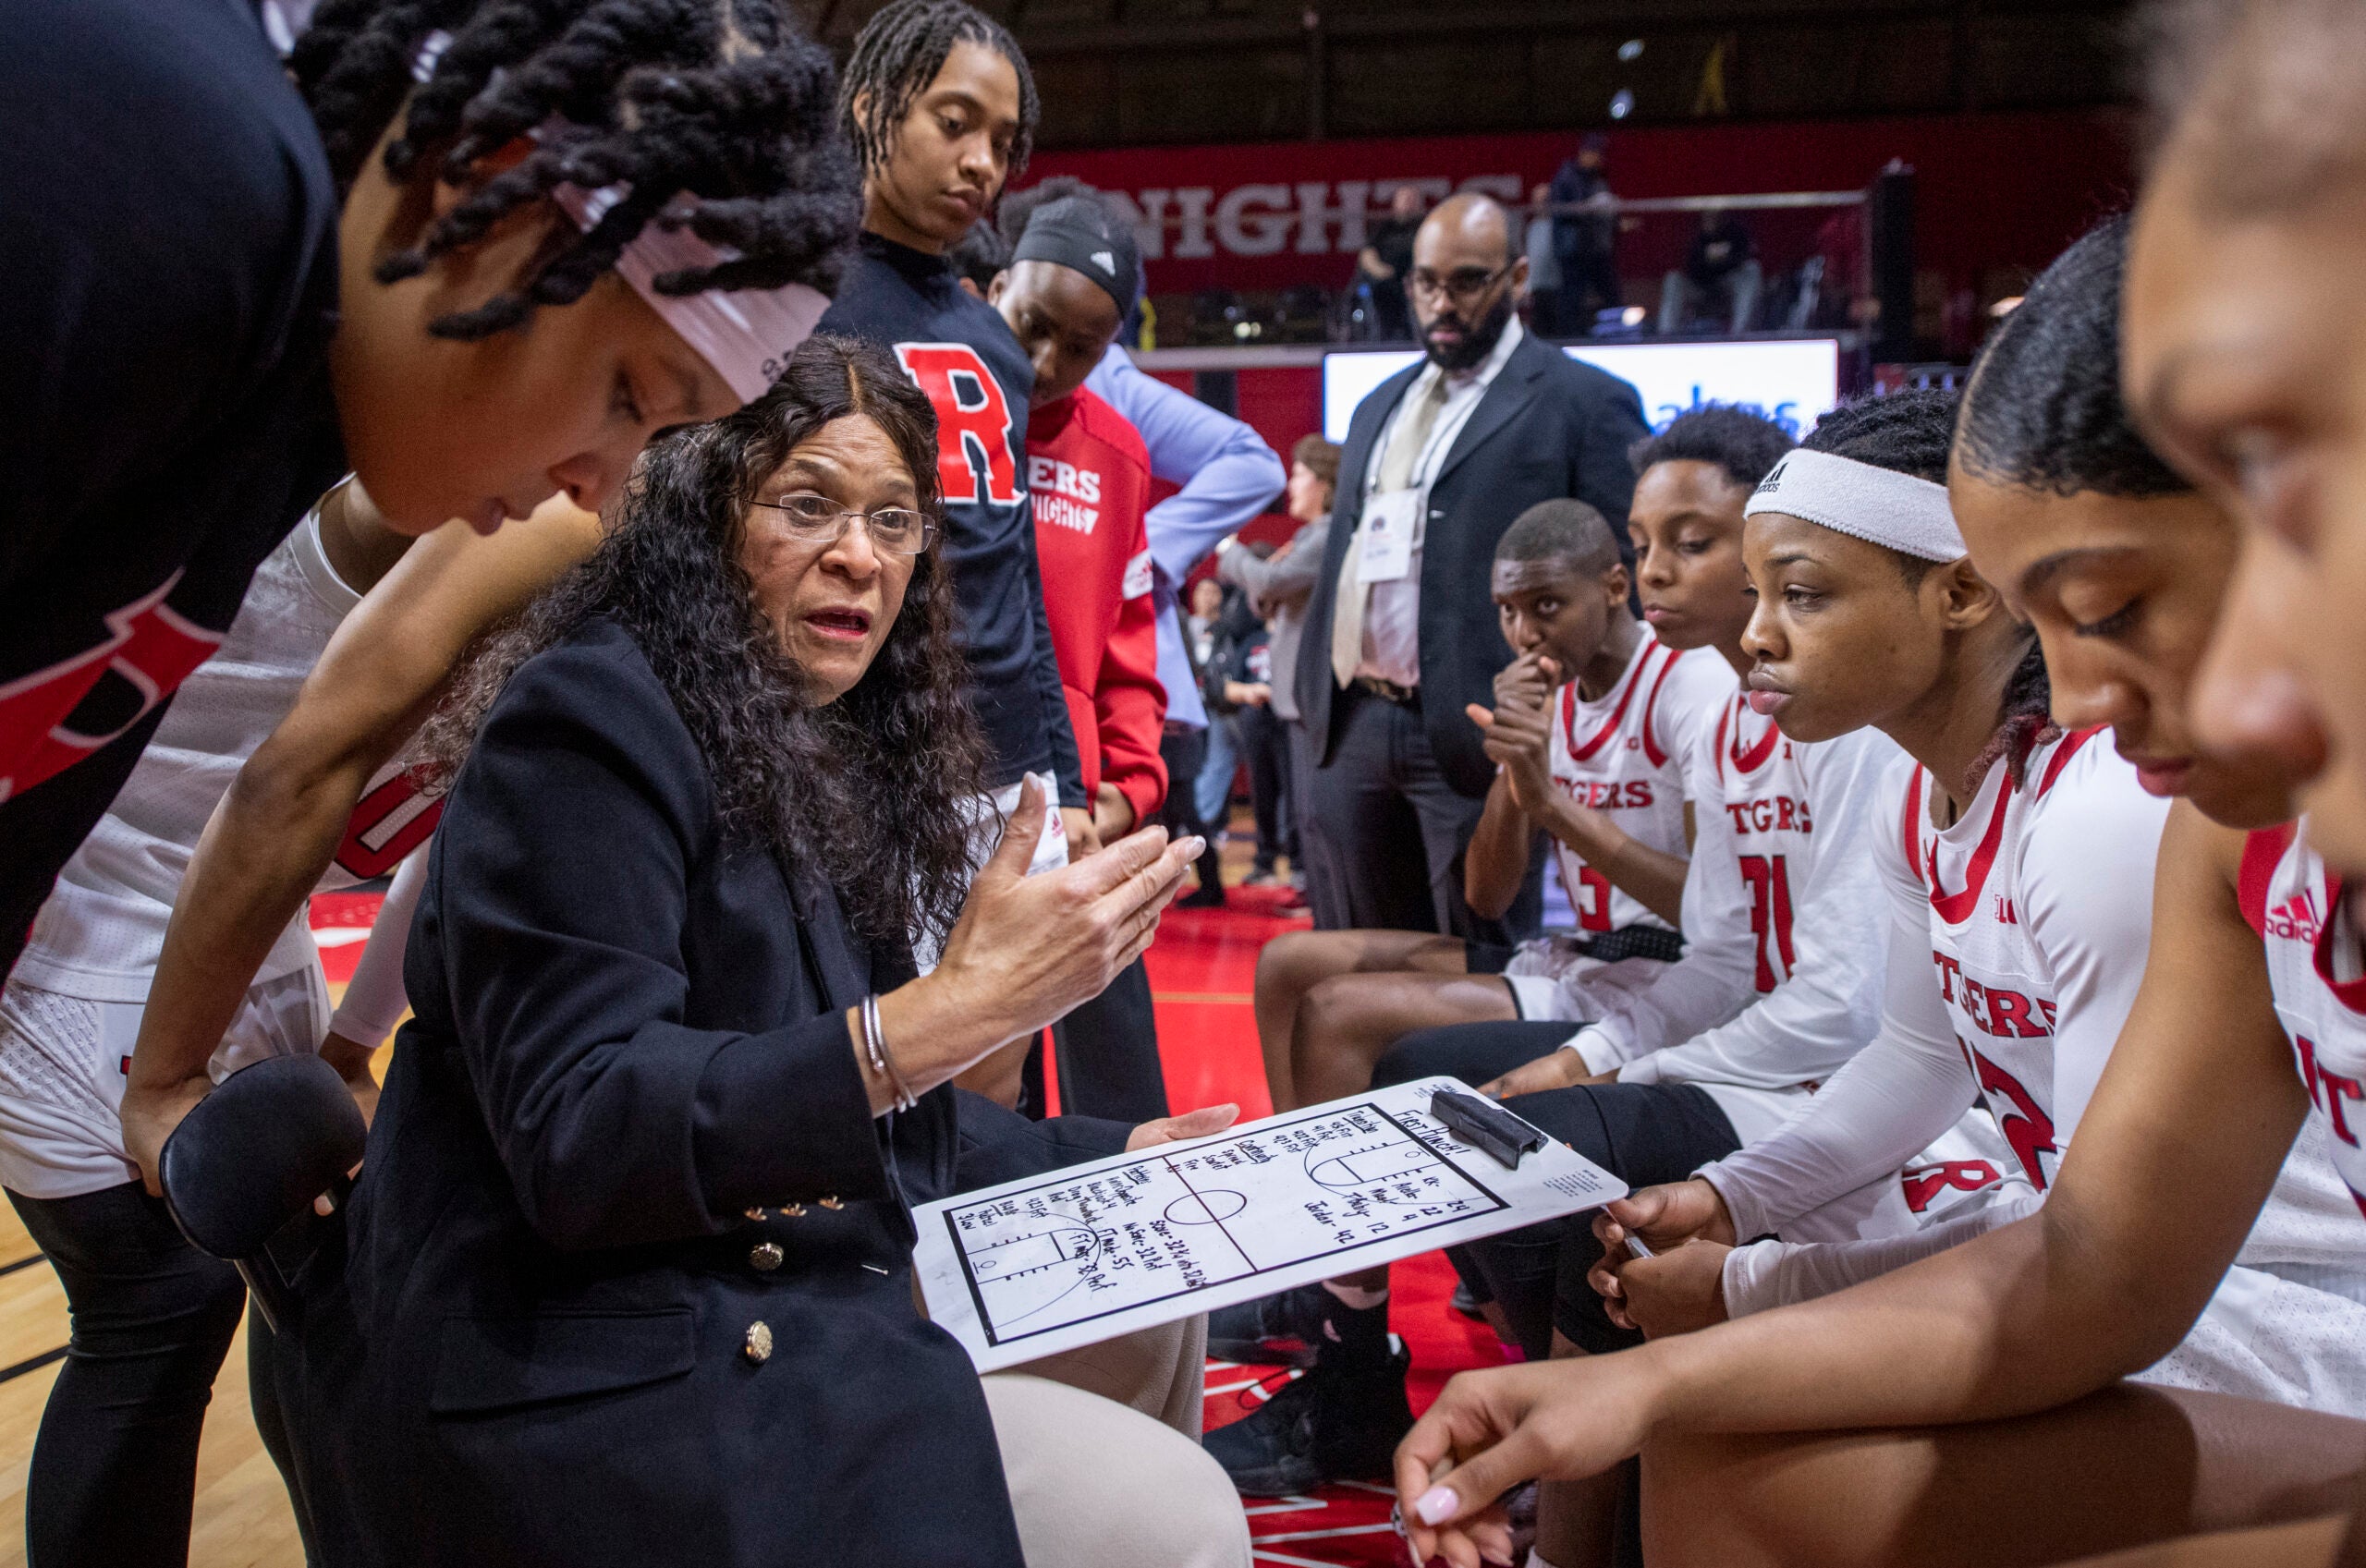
[
  {"x": 1546, "y": 426},
  {"x": 1280, "y": 586},
  {"x": 625, "y": 1128}
]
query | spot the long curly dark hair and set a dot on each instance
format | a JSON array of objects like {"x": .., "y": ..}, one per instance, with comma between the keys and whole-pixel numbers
[{"x": 865, "y": 793}]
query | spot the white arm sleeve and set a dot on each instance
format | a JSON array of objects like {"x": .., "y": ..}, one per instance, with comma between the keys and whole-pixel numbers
[
  {"x": 374, "y": 1000},
  {"x": 1712, "y": 981},
  {"x": 1782, "y": 1273},
  {"x": 1826, "y": 1011},
  {"x": 1891, "y": 1099}
]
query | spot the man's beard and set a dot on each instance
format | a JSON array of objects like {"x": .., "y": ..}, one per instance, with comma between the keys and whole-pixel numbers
[{"x": 1479, "y": 340}]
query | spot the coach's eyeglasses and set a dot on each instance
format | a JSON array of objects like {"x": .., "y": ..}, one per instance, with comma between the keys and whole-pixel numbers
[
  {"x": 1464, "y": 286},
  {"x": 817, "y": 519}
]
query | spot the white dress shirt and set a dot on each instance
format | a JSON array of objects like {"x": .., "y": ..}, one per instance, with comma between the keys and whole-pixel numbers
[{"x": 1392, "y": 648}]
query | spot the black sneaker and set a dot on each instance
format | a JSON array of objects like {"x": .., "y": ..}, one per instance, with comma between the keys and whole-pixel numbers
[
  {"x": 1273, "y": 1331},
  {"x": 1340, "y": 1422},
  {"x": 1466, "y": 1301}
]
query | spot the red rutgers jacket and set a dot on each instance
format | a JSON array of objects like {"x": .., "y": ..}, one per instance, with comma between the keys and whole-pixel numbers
[{"x": 1088, "y": 476}]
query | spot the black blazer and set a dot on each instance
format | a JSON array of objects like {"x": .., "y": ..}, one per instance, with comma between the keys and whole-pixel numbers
[
  {"x": 1547, "y": 426},
  {"x": 624, "y": 1127}
]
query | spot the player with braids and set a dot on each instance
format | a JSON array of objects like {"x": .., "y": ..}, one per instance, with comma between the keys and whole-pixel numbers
[
  {"x": 897, "y": 59},
  {"x": 939, "y": 104},
  {"x": 477, "y": 252},
  {"x": 663, "y": 97}
]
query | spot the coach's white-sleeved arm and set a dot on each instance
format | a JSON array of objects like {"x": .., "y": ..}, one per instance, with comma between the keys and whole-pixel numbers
[
  {"x": 1823, "y": 1015},
  {"x": 375, "y": 1001},
  {"x": 1782, "y": 1273},
  {"x": 1891, "y": 1099}
]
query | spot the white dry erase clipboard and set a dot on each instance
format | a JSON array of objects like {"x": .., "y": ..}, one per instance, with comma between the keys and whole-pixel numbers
[{"x": 1047, "y": 1263}]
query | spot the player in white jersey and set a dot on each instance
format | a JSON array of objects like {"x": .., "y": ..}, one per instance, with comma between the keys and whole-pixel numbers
[
  {"x": 2120, "y": 566},
  {"x": 115, "y": 1464},
  {"x": 1601, "y": 774},
  {"x": 2317, "y": 968},
  {"x": 320, "y": 791}
]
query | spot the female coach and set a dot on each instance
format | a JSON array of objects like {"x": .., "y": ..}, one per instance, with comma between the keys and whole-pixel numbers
[{"x": 627, "y": 1275}]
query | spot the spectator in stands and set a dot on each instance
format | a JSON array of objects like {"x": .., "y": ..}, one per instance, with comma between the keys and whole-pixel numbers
[
  {"x": 1232, "y": 692},
  {"x": 1279, "y": 586},
  {"x": 1721, "y": 268},
  {"x": 1440, "y": 458},
  {"x": 1586, "y": 243},
  {"x": 1385, "y": 260},
  {"x": 1543, "y": 267}
]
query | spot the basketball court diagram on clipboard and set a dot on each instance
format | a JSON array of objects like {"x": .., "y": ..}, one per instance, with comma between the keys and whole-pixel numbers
[{"x": 1341, "y": 1185}]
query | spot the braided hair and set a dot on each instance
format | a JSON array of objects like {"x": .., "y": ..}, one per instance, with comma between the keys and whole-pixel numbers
[
  {"x": 2043, "y": 411},
  {"x": 1909, "y": 433},
  {"x": 723, "y": 101},
  {"x": 895, "y": 57}
]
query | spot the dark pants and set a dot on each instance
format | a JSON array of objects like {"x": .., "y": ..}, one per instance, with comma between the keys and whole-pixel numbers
[
  {"x": 1643, "y": 1134},
  {"x": 115, "y": 1465},
  {"x": 1107, "y": 1052},
  {"x": 1397, "y": 830},
  {"x": 1326, "y": 895},
  {"x": 1264, "y": 744},
  {"x": 1183, "y": 751}
]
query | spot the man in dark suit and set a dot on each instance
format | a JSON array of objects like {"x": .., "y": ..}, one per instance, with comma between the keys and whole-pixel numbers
[{"x": 1400, "y": 632}]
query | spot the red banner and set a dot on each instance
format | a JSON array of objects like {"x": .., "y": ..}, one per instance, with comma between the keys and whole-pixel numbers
[{"x": 1994, "y": 191}]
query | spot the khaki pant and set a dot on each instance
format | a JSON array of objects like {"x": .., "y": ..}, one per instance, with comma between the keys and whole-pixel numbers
[{"x": 1100, "y": 1449}]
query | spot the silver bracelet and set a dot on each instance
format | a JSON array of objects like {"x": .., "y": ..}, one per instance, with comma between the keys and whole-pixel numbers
[{"x": 874, "y": 1043}]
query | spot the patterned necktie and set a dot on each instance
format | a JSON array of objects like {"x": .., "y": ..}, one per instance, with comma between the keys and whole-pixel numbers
[{"x": 1396, "y": 466}]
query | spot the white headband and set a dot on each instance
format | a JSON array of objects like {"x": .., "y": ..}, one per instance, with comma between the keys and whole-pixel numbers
[
  {"x": 747, "y": 335},
  {"x": 1890, "y": 508}
]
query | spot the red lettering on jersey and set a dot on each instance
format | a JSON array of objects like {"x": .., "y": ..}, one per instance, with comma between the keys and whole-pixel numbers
[
  {"x": 972, "y": 421},
  {"x": 2024, "y": 1125},
  {"x": 150, "y": 646},
  {"x": 1948, "y": 970},
  {"x": 2005, "y": 915},
  {"x": 1783, "y": 818},
  {"x": 1770, "y": 914},
  {"x": 1923, "y": 1183},
  {"x": 1975, "y": 999},
  {"x": 387, "y": 825},
  {"x": 2008, "y": 1014},
  {"x": 2327, "y": 1090},
  {"x": 1595, "y": 916}
]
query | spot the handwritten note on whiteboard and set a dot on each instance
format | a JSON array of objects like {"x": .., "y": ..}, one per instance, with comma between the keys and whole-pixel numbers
[{"x": 1048, "y": 1263}]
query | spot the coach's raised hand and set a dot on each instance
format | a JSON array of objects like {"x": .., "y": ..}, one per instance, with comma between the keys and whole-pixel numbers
[{"x": 1026, "y": 949}]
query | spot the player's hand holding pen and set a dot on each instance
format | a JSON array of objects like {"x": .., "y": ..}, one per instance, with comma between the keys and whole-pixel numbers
[
  {"x": 1649, "y": 1236},
  {"x": 1025, "y": 951}
]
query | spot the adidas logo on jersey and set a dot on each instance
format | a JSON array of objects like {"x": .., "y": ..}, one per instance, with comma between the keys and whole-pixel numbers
[{"x": 2295, "y": 920}]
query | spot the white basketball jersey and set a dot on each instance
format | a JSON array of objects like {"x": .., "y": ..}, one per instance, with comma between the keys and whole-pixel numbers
[
  {"x": 1622, "y": 754},
  {"x": 1761, "y": 775},
  {"x": 2314, "y": 964},
  {"x": 1999, "y": 987},
  {"x": 102, "y": 930}
]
